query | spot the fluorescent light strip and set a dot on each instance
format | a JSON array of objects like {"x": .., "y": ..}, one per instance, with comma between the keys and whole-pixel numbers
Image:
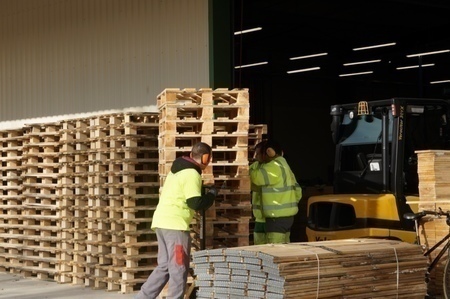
[
  {"x": 428, "y": 53},
  {"x": 308, "y": 56},
  {"x": 413, "y": 66},
  {"x": 355, "y": 74},
  {"x": 374, "y": 46},
  {"x": 248, "y": 30},
  {"x": 438, "y": 82},
  {"x": 304, "y": 70},
  {"x": 250, "y": 65},
  {"x": 362, "y": 62}
]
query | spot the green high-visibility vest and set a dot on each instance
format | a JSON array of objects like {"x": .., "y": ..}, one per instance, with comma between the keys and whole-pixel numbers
[{"x": 278, "y": 187}]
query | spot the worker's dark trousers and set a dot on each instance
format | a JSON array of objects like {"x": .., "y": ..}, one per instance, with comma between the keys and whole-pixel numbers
[
  {"x": 278, "y": 230},
  {"x": 174, "y": 248}
]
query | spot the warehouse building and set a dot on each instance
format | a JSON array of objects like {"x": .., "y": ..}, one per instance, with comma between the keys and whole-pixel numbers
[{"x": 84, "y": 82}]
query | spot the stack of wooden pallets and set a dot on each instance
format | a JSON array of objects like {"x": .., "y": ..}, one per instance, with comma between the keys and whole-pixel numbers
[
  {"x": 256, "y": 134},
  {"x": 78, "y": 195},
  {"x": 353, "y": 268},
  {"x": 77, "y": 200},
  {"x": 11, "y": 208},
  {"x": 40, "y": 215},
  {"x": 220, "y": 118}
]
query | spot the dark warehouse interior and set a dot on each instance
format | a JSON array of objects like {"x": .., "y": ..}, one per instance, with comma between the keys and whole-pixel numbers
[{"x": 296, "y": 106}]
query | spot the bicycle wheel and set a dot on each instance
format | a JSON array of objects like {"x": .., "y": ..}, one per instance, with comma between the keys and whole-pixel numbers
[{"x": 446, "y": 282}]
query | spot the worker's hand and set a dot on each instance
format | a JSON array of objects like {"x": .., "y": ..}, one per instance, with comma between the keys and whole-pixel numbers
[
  {"x": 255, "y": 188},
  {"x": 213, "y": 190}
]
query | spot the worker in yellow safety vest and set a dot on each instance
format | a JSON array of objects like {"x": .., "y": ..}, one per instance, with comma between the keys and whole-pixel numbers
[{"x": 275, "y": 194}]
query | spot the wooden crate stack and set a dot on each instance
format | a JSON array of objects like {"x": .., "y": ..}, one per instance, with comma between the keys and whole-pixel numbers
[
  {"x": 434, "y": 190},
  {"x": 220, "y": 118},
  {"x": 11, "y": 209},
  {"x": 73, "y": 199},
  {"x": 78, "y": 195},
  {"x": 108, "y": 189},
  {"x": 256, "y": 134},
  {"x": 77, "y": 200},
  {"x": 136, "y": 250},
  {"x": 40, "y": 213},
  {"x": 123, "y": 192}
]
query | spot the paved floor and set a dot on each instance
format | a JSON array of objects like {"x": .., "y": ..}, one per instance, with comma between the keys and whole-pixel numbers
[{"x": 16, "y": 287}]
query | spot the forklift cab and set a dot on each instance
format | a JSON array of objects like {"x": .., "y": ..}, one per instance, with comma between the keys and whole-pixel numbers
[
  {"x": 375, "y": 152},
  {"x": 376, "y": 167}
]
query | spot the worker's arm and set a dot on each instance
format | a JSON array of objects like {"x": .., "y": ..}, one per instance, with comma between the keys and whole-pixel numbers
[
  {"x": 201, "y": 202},
  {"x": 192, "y": 187}
]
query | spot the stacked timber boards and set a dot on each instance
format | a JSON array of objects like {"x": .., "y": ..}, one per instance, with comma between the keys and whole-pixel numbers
[
  {"x": 433, "y": 168},
  {"x": 352, "y": 268}
]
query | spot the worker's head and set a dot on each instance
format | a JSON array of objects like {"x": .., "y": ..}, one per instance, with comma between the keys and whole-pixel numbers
[
  {"x": 267, "y": 150},
  {"x": 202, "y": 154}
]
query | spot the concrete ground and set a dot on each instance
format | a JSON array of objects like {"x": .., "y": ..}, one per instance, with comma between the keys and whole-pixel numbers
[{"x": 13, "y": 286}]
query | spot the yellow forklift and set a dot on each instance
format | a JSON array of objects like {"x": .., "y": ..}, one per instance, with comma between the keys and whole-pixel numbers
[{"x": 375, "y": 177}]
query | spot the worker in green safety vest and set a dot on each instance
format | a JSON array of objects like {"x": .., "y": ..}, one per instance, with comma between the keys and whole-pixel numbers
[{"x": 275, "y": 194}]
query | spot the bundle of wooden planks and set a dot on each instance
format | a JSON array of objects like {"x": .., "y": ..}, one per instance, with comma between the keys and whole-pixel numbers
[
  {"x": 351, "y": 268},
  {"x": 433, "y": 168}
]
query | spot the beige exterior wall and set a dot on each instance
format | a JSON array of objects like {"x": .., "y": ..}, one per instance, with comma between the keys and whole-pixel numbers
[{"x": 60, "y": 57}]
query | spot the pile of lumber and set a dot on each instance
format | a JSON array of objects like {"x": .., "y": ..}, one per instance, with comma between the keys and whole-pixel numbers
[
  {"x": 433, "y": 168},
  {"x": 351, "y": 268}
]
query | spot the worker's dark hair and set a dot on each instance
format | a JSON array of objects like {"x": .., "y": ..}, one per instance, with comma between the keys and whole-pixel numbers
[
  {"x": 269, "y": 147},
  {"x": 201, "y": 151}
]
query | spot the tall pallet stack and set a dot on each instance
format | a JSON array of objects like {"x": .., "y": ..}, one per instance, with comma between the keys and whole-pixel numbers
[
  {"x": 40, "y": 213},
  {"x": 73, "y": 199},
  {"x": 136, "y": 249},
  {"x": 77, "y": 200},
  {"x": 220, "y": 118},
  {"x": 11, "y": 212},
  {"x": 434, "y": 190},
  {"x": 29, "y": 228},
  {"x": 78, "y": 195},
  {"x": 108, "y": 190}
]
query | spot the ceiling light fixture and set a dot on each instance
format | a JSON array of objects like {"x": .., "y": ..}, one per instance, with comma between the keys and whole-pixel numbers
[
  {"x": 304, "y": 70},
  {"x": 308, "y": 56},
  {"x": 356, "y": 74},
  {"x": 438, "y": 82},
  {"x": 250, "y": 65},
  {"x": 362, "y": 62},
  {"x": 428, "y": 53},
  {"x": 248, "y": 30},
  {"x": 374, "y": 46},
  {"x": 413, "y": 66}
]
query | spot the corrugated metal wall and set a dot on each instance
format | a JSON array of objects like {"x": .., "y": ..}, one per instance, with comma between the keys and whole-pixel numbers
[{"x": 62, "y": 57}]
